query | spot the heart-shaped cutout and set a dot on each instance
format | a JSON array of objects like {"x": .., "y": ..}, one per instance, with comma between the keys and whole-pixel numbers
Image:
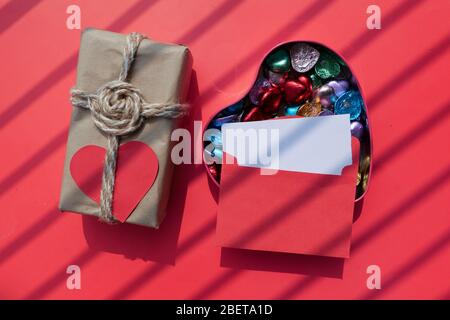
[{"x": 136, "y": 171}]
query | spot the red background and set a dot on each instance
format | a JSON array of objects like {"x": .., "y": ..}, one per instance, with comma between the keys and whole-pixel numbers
[{"x": 404, "y": 223}]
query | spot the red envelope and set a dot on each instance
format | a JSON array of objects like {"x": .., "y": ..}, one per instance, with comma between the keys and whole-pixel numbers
[{"x": 290, "y": 212}]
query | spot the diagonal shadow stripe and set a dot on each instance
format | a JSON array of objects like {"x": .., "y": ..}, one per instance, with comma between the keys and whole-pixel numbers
[
  {"x": 311, "y": 10},
  {"x": 13, "y": 11},
  {"x": 81, "y": 260},
  {"x": 395, "y": 150},
  {"x": 413, "y": 135},
  {"x": 52, "y": 215},
  {"x": 34, "y": 230},
  {"x": 407, "y": 268},
  {"x": 219, "y": 13},
  {"x": 120, "y": 23},
  {"x": 224, "y": 78},
  {"x": 42, "y": 154},
  {"x": 355, "y": 46},
  {"x": 413, "y": 69},
  {"x": 67, "y": 66},
  {"x": 218, "y": 282},
  {"x": 30, "y": 164},
  {"x": 445, "y": 296},
  {"x": 29, "y": 234},
  {"x": 144, "y": 278},
  {"x": 388, "y": 21},
  {"x": 392, "y": 216},
  {"x": 401, "y": 210},
  {"x": 299, "y": 21},
  {"x": 54, "y": 77},
  {"x": 299, "y": 285},
  {"x": 27, "y": 166}
]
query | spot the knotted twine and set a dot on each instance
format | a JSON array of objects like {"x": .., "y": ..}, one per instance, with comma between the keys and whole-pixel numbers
[{"x": 118, "y": 109}]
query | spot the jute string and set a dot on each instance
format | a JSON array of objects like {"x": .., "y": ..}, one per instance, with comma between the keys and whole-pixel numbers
[{"x": 118, "y": 109}]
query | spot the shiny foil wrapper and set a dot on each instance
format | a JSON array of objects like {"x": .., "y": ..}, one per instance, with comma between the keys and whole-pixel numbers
[{"x": 303, "y": 57}]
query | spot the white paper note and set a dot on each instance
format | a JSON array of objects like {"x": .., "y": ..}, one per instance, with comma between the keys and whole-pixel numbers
[{"x": 313, "y": 145}]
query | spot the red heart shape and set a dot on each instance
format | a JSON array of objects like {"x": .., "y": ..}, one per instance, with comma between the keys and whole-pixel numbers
[
  {"x": 297, "y": 91},
  {"x": 137, "y": 167}
]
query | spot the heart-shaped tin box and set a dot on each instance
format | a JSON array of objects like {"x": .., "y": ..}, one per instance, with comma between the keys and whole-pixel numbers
[{"x": 300, "y": 79}]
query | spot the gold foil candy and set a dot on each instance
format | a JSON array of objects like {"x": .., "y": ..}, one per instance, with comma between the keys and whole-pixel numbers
[{"x": 310, "y": 109}]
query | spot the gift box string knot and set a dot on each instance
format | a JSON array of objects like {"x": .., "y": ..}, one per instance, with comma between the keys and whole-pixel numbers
[{"x": 117, "y": 109}]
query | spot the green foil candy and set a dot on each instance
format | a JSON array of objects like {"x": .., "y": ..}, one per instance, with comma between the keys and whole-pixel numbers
[
  {"x": 315, "y": 80},
  {"x": 279, "y": 61},
  {"x": 327, "y": 67}
]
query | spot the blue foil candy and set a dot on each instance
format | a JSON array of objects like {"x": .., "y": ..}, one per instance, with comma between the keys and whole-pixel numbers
[
  {"x": 350, "y": 102},
  {"x": 214, "y": 136},
  {"x": 215, "y": 153},
  {"x": 291, "y": 110},
  {"x": 218, "y": 122},
  {"x": 233, "y": 109}
]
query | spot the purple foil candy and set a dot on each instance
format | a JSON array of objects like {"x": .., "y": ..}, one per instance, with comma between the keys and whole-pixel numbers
[
  {"x": 277, "y": 79},
  {"x": 340, "y": 87},
  {"x": 325, "y": 101},
  {"x": 218, "y": 122},
  {"x": 357, "y": 129},
  {"x": 261, "y": 85},
  {"x": 326, "y": 112},
  {"x": 325, "y": 94}
]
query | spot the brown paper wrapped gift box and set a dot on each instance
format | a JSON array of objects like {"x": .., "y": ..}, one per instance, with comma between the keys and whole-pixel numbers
[{"x": 162, "y": 73}]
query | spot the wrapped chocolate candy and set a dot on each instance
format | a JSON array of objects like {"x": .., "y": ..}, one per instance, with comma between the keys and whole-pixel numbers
[
  {"x": 303, "y": 57},
  {"x": 271, "y": 100},
  {"x": 327, "y": 66},
  {"x": 279, "y": 61},
  {"x": 218, "y": 122},
  {"x": 234, "y": 108},
  {"x": 326, "y": 112},
  {"x": 213, "y": 153},
  {"x": 276, "y": 79},
  {"x": 254, "y": 114},
  {"x": 310, "y": 109},
  {"x": 339, "y": 87},
  {"x": 214, "y": 136},
  {"x": 357, "y": 129},
  {"x": 259, "y": 88},
  {"x": 214, "y": 170},
  {"x": 324, "y": 94},
  {"x": 316, "y": 81},
  {"x": 298, "y": 90},
  {"x": 291, "y": 110},
  {"x": 350, "y": 102}
]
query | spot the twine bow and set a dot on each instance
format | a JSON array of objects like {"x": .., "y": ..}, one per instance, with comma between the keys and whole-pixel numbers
[{"x": 117, "y": 109}]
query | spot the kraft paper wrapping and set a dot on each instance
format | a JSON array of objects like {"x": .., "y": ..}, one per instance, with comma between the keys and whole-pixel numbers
[{"x": 162, "y": 73}]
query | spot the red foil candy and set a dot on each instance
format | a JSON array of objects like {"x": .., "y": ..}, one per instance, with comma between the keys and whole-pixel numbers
[
  {"x": 299, "y": 90},
  {"x": 255, "y": 114},
  {"x": 271, "y": 100},
  {"x": 215, "y": 171}
]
